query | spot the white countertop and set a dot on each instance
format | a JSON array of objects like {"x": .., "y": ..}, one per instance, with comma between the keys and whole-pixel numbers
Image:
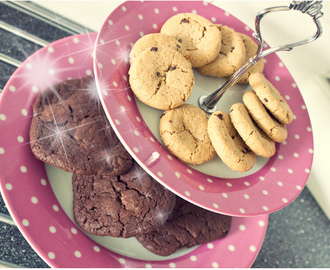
[{"x": 306, "y": 63}]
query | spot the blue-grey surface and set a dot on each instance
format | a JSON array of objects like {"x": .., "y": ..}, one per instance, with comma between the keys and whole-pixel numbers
[{"x": 298, "y": 236}]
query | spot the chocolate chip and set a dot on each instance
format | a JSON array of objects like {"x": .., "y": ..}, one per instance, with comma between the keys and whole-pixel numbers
[
  {"x": 246, "y": 150},
  {"x": 178, "y": 46},
  {"x": 154, "y": 49},
  {"x": 180, "y": 40},
  {"x": 158, "y": 74},
  {"x": 172, "y": 68},
  {"x": 232, "y": 49},
  {"x": 220, "y": 116},
  {"x": 265, "y": 99},
  {"x": 184, "y": 20}
]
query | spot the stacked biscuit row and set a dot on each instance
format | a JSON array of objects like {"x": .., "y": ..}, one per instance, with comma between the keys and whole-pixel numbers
[
  {"x": 161, "y": 76},
  {"x": 112, "y": 194},
  {"x": 252, "y": 127}
]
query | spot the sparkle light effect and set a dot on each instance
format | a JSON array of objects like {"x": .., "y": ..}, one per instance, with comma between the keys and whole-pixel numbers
[
  {"x": 122, "y": 55},
  {"x": 43, "y": 69},
  {"x": 60, "y": 134}
]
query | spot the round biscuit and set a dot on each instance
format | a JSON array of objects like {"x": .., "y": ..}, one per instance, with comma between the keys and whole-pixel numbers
[
  {"x": 184, "y": 133},
  {"x": 251, "y": 49},
  {"x": 271, "y": 98},
  {"x": 228, "y": 144},
  {"x": 230, "y": 58},
  {"x": 156, "y": 39},
  {"x": 161, "y": 77},
  {"x": 200, "y": 37},
  {"x": 270, "y": 125},
  {"x": 252, "y": 135}
]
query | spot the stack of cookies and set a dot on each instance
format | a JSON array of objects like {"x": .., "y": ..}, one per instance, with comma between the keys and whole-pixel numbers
[
  {"x": 161, "y": 76},
  {"x": 252, "y": 127},
  {"x": 112, "y": 194}
]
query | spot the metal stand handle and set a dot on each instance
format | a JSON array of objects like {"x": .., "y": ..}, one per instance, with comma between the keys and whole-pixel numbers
[{"x": 312, "y": 8}]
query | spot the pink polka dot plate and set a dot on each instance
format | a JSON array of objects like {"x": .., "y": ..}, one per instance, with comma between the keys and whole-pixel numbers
[
  {"x": 270, "y": 185},
  {"x": 39, "y": 197}
]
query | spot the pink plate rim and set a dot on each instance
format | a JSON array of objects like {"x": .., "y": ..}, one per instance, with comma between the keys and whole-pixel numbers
[
  {"x": 29, "y": 196},
  {"x": 269, "y": 189}
]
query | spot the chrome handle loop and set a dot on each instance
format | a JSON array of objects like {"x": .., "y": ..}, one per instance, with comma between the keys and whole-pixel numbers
[{"x": 312, "y": 8}]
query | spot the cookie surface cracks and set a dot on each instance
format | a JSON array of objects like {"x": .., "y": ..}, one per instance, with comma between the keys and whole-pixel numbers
[
  {"x": 162, "y": 78},
  {"x": 200, "y": 37},
  {"x": 184, "y": 132}
]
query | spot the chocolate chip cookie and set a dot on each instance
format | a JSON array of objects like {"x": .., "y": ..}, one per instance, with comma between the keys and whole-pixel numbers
[
  {"x": 252, "y": 135},
  {"x": 230, "y": 58},
  {"x": 251, "y": 49},
  {"x": 184, "y": 132},
  {"x": 228, "y": 144},
  {"x": 271, "y": 98},
  {"x": 199, "y": 36},
  {"x": 155, "y": 40},
  {"x": 270, "y": 125},
  {"x": 161, "y": 77}
]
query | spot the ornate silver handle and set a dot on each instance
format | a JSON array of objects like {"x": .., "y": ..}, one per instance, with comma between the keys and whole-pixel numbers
[{"x": 312, "y": 8}]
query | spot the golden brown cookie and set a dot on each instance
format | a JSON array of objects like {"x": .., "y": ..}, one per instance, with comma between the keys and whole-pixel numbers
[
  {"x": 228, "y": 144},
  {"x": 273, "y": 128},
  {"x": 271, "y": 98},
  {"x": 251, "y": 49},
  {"x": 161, "y": 77},
  {"x": 200, "y": 37},
  {"x": 230, "y": 58},
  {"x": 184, "y": 132},
  {"x": 252, "y": 135},
  {"x": 156, "y": 39}
]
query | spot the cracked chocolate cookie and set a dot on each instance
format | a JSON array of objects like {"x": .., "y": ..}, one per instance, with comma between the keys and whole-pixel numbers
[
  {"x": 270, "y": 125},
  {"x": 252, "y": 135},
  {"x": 200, "y": 37},
  {"x": 228, "y": 144},
  {"x": 184, "y": 132},
  {"x": 120, "y": 206},
  {"x": 188, "y": 226},
  {"x": 161, "y": 77},
  {"x": 271, "y": 98},
  {"x": 69, "y": 130},
  {"x": 155, "y": 40},
  {"x": 230, "y": 58}
]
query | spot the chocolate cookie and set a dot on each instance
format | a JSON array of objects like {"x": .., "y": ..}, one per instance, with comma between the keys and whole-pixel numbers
[
  {"x": 121, "y": 206},
  {"x": 228, "y": 144},
  {"x": 231, "y": 56},
  {"x": 189, "y": 225},
  {"x": 184, "y": 132},
  {"x": 200, "y": 37},
  {"x": 155, "y": 40},
  {"x": 161, "y": 77},
  {"x": 69, "y": 130}
]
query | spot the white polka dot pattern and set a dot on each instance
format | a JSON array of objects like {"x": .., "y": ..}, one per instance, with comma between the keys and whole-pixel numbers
[
  {"x": 58, "y": 241},
  {"x": 195, "y": 185}
]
